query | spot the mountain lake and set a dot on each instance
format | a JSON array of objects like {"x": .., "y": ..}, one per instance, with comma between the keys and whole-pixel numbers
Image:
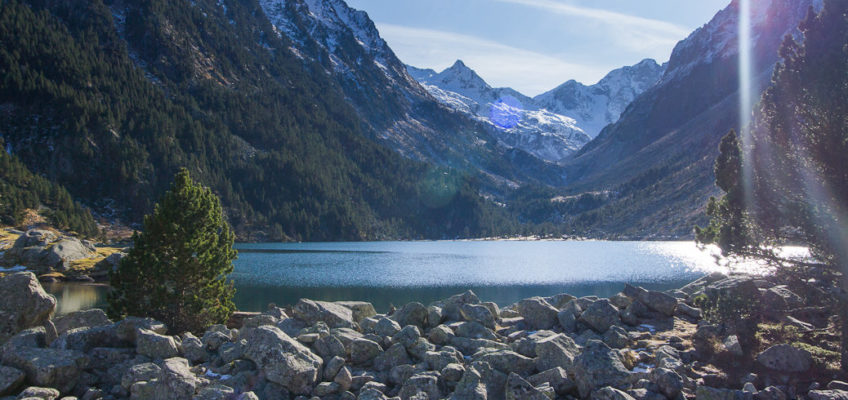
[{"x": 395, "y": 273}]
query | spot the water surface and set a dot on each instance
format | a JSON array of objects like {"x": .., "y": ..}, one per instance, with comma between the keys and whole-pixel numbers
[{"x": 394, "y": 273}]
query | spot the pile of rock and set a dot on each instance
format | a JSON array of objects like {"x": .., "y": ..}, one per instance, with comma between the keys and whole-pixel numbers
[
  {"x": 45, "y": 251},
  {"x": 458, "y": 348}
]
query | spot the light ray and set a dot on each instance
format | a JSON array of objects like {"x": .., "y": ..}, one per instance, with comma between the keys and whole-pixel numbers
[{"x": 746, "y": 95}]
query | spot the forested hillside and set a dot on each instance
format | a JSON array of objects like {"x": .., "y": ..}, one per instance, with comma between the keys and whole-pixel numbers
[{"x": 109, "y": 99}]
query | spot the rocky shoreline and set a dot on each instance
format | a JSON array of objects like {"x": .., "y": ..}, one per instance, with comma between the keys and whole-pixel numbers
[
  {"x": 57, "y": 257},
  {"x": 636, "y": 345}
]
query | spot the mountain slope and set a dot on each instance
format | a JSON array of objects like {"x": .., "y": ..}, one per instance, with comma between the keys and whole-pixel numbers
[
  {"x": 394, "y": 108},
  {"x": 675, "y": 126},
  {"x": 111, "y": 100},
  {"x": 596, "y": 106},
  {"x": 551, "y": 126}
]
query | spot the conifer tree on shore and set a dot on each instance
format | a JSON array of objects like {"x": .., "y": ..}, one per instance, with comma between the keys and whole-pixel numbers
[{"x": 177, "y": 270}]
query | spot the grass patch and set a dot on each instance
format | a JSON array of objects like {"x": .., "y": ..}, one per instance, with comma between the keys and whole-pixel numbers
[
  {"x": 86, "y": 264},
  {"x": 7, "y": 238}
]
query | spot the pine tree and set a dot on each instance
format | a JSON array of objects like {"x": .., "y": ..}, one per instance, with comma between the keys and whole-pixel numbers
[
  {"x": 797, "y": 169},
  {"x": 177, "y": 270}
]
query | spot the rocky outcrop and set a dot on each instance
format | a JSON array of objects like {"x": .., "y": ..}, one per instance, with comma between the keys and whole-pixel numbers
[
  {"x": 42, "y": 251},
  {"x": 23, "y": 304},
  {"x": 283, "y": 360}
]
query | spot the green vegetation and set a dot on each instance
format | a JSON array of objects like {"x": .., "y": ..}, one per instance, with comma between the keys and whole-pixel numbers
[
  {"x": 111, "y": 107},
  {"x": 789, "y": 182},
  {"x": 21, "y": 190},
  {"x": 177, "y": 270}
]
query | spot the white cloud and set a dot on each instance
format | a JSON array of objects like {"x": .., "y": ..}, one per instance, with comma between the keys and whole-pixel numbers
[
  {"x": 528, "y": 72},
  {"x": 632, "y": 32}
]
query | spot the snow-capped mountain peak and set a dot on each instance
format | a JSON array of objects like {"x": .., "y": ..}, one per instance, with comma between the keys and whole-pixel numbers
[{"x": 517, "y": 122}]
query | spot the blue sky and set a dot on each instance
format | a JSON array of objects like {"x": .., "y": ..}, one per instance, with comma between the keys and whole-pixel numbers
[{"x": 535, "y": 45}]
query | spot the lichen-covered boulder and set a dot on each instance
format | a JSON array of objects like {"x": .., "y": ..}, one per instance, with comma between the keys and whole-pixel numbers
[
  {"x": 452, "y": 305},
  {"x": 478, "y": 313},
  {"x": 10, "y": 380},
  {"x": 600, "y": 315},
  {"x": 363, "y": 351},
  {"x": 283, "y": 360},
  {"x": 519, "y": 389},
  {"x": 23, "y": 304},
  {"x": 54, "y": 368},
  {"x": 412, "y": 314},
  {"x": 154, "y": 345},
  {"x": 785, "y": 358},
  {"x": 506, "y": 361},
  {"x": 334, "y": 315},
  {"x": 537, "y": 313},
  {"x": 81, "y": 319},
  {"x": 597, "y": 366},
  {"x": 175, "y": 382},
  {"x": 555, "y": 351}
]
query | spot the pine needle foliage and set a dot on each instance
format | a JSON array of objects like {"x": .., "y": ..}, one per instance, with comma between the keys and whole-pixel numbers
[{"x": 177, "y": 270}]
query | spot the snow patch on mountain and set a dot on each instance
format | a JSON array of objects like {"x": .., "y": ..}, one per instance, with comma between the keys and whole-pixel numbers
[{"x": 552, "y": 125}]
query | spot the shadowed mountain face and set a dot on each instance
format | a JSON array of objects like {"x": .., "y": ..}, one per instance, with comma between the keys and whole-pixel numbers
[
  {"x": 394, "y": 107},
  {"x": 663, "y": 147}
]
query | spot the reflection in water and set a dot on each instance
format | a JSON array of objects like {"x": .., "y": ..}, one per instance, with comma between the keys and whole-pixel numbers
[
  {"x": 395, "y": 273},
  {"x": 72, "y": 297}
]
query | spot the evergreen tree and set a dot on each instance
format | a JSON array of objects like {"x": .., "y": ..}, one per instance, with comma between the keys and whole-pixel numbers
[
  {"x": 177, "y": 270},
  {"x": 797, "y": 169}
]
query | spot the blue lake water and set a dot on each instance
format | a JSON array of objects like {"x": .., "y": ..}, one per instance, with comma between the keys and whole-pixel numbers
[{"x": 394, "y": 273}]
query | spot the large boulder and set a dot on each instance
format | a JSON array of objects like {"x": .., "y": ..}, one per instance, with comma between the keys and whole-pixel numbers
[
  {"x": 451, "y": 308},
  {"x": 10, "y": 380},
  {"x": 519, "y": 389},
  {"x": 537, "y": 313},
  {"x": 154, "y": 345},
  {"x": 600, "y": 315},
  {"x": 669, "y": 382},
  {"x": 360, "y": 309},
  {"x": 736, "y": 288},
  {"x": 394, "y": 356},
  {"x": 60, "y": 254},
  {"x": 506, "y": 361},
  {"x": 556, "y": 377},
  {"x": 555, "y": 351},
  {"x": 833, "y": 394},
  {"x": 478, "y": 313},
  {"x": 81, "y": 319},
  {"x": 424, "y": 383},
  {"x": 598, "y": 366},
  {"x": 23, "y": 304},
  {"x": 283, "y": 360},
  {"x": 661, "y": 302},
  {"x": 470, "y": 387},
  {"x": 54, "y": 368},
  {"x": 711, "y": 393},
  {"x": 176, "y": 382},
  {"x": 785, "y": 358},
  {"x": 334, "y": 315},
  {"x": 363, "y": 350},
  {"x": 610, "y": 393},
  {"x": 412, "y": 314}
]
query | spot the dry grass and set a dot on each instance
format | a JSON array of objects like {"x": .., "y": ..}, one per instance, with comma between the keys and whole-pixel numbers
[
  {"x": 7, "y": 238},
  {"x": 87, "y": 264}
]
